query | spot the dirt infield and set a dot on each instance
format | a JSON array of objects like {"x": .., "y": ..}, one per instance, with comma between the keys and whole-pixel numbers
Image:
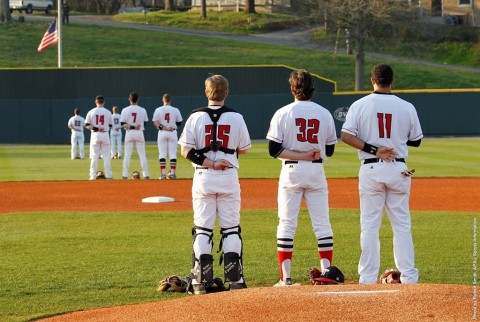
[
  {"x": 421, "y": 302},
  {"x": 452, "y": 194}
]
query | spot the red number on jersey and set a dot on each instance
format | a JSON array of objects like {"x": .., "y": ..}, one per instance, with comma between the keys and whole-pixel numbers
[
  {"x": 116, "y": 121},
  {"x": 223, "y": 131},
  {"x": 99, "y": 119},
  {"x": 308, "y": 130},
  {"x": 384, "y": 125},
  {"x": 77, "y": 123},
  {"x": 134, "y": 115},
  {"x": 167, "y": 117}
]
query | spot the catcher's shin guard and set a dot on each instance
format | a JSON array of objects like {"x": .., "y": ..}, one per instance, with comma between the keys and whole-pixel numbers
[
  {"x": 232, "y": 267},
  {"x": 204, "y": 270},
  {"x": 202, "y": 260},
  {"x": 231, "y": 241}
]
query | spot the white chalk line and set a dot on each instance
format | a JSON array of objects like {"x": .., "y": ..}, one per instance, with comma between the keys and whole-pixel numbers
[{"x": 359, "y": 292}]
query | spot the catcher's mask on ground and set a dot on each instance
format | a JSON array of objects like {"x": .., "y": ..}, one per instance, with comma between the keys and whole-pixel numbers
[{"x": 331, "y": 274}]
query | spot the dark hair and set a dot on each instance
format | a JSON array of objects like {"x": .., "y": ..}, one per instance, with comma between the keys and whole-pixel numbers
[
  {"x": 133, "y": 97},
  {"x": 167, "y": 98},
  {"x": 383, "y": 75},
  {"x": 301, "y": 84},
  {"x": 100, "y": 99},
  {"x": 76, "y": 111}
]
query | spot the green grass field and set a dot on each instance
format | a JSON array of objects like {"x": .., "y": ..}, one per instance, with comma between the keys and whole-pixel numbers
[
  {"x": 52, "y": 162},
  {"x": 66, "y": 261}
]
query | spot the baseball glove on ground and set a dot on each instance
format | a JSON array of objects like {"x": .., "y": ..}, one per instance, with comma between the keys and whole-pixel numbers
[
  {"x": 100, "y": 175},
  {"x": 136, "y": 175},
  {"x": 390, "y": 276},
  {"x": 175, "y": 283},
  {"x": 331, "y": 275}
]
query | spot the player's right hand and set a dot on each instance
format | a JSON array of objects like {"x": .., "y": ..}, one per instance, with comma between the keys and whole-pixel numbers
[
  {"x": 386, "y": 153},
  {"x": 313, "y": 154}
]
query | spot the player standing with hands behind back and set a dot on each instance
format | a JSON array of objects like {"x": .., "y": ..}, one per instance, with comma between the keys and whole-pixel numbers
[
  {"x": 212, "y": 139},
  {"x": 302, "y": 134},
  {"x": 76, "y": 124},
  {"x": 382, "y": 126},
  {"x": 98, "y": 121},
  {"x": 166, "y": 119},
  {"x": 133, "y": 119}
]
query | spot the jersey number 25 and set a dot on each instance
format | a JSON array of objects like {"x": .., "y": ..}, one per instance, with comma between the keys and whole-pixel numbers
[{"x": 223, "y": 131}]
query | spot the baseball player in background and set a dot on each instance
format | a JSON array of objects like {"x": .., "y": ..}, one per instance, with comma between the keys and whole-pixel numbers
[
  {"x": 382, "y": 126},
  {"x": 212, "y": 139},
  {"x": 76, "y": 124},
  {"x": 167, "y": 119},
  {"x": 133, "y": 120},
  {"x": 116, "y": 135},
  {"x": 98, "y": 122},
  {"x": 302, "y": 134}
]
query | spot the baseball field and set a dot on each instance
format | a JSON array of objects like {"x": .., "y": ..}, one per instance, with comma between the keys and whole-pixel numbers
[{"x": 79, "y": 250}]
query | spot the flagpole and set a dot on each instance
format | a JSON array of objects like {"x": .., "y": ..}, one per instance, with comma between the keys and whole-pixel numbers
[{"x": 59, "y": 33}]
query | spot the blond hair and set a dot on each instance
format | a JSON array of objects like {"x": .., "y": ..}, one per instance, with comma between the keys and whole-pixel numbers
[{"x": 216, "y": 88}]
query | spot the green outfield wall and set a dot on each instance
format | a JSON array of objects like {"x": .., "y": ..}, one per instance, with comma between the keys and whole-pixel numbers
[{"x": 36, "y": 104}]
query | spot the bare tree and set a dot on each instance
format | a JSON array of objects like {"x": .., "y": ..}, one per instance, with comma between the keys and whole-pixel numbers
[
  {"x": 5, "y": 15},
  {"x": 169, "y": 5},
  {"x": 364, "y": 19},
  {"x": 203, "y": 11},
  {"x": 250, "y": 6}
]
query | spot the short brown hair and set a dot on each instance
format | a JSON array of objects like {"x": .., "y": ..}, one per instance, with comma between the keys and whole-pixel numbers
[
  {"x": 382, "y": 74},
  {"x": 133, "y": 97},
  {"x": 100, "y": 99},
  {"x": 166, "y": 98},
  {"x": 216, "y": 88},
  {"x": 301, "y": 84}
]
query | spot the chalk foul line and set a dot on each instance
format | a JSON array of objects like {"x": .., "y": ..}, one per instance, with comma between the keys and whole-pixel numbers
[{"x": 359, "y": 292}]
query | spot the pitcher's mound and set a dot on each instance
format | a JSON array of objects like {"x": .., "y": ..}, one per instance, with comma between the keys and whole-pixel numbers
[{"x": 401, "y": 302}]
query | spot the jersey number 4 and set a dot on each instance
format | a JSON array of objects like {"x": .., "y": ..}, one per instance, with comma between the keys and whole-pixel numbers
[
  {"x": 307, "y": 130},
  {"x": 384, "y": 125}
]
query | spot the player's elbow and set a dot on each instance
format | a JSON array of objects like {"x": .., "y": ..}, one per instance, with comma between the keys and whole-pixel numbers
[
  {"x": 415, "y": 144},
  {"x": 329, "y": 150},
  {"x": 184, "y": 151},
  {"x": 275, "y": 148}
]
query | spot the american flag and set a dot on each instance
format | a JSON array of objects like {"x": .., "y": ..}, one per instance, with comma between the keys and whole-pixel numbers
[{"x": 49, "y": 38}]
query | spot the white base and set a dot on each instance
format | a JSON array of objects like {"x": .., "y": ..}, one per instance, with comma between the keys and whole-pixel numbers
[{"x": 158, "y": 199}]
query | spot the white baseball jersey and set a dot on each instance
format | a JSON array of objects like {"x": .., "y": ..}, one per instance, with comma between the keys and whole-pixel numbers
[
  {"x": 100, "y": 118},
  {"x": 116, "y": 126},
  {"x": 232, "y": 133},
  {"x": 302, "y": 126},
  {"x": 167, "y": 115},
  {"x": 383, "y": 120},
  {"x": 77, "y": 123},
  {"x": 134, "y": 115}
]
